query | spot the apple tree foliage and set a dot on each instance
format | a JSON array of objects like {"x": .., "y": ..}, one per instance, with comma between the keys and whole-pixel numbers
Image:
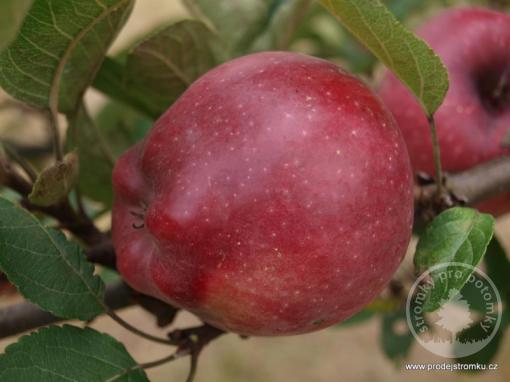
[{"x": 51, "y": 52}]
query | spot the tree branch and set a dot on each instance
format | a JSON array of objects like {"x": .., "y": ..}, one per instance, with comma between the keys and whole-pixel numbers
[
  {"x": 192, "y": 341},
  {"x": 436, "y": 150},
  {"x": 482, "y": 182},
  {"x": 25, "y": 316},
  {"x": 469, "y": 187},
  {"x": 102, "y": 254}
]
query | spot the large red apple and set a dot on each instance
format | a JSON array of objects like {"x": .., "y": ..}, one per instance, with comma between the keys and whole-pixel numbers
[
  {"x": 274, "y": 197},
  {"x": 474, "y": 44}
]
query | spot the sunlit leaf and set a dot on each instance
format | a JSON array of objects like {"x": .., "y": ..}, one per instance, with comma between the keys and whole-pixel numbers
[{"x": 458, "y": 239}]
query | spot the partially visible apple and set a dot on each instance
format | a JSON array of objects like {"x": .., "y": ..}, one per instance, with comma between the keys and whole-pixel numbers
[
  {"x": 274, "y": 197},
  {"x": 474, "y": 44}
]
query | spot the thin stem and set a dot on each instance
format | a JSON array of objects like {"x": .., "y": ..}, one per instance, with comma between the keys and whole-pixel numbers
[
  {"x": 22, "y": 317},
  {"x": 134, "y": 330},
  {"x": 193, "y": 367},
  {"x": 172, "y": 357},
  {"x": 55, "y": 134},
  {"x": 437, "y": 158}
]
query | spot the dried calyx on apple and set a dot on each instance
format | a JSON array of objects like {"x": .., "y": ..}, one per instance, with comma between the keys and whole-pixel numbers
[
  {"x": 474, "y": 119},
  {"x": 274, "y": 197}
]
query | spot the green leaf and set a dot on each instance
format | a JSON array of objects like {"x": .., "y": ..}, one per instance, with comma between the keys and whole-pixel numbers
[
  {"x": 396, "y": 338},
  {"x": 358, "y": 318},
  {"x": 238, "y": 23},
  {"x": 100, "y": 143},
  {"x": 409, "y": 57},
  {"x": 498, "y": 268},
  {"x": 96, "y": 158},
  {"x": 12, "y": 14},
  {"x": 161, "y": 68},
  {"x": 109, "y": 276},
  {"x": 283, "y": 20},
  {"x": 458, "y": 235},
  {"x": 471, "y": 293},
  {"x": 68, "y": 353},
  {"x": 325, "y": 37},
  {"x": 403, "y": 8},
  {"x": 478, "y": 333},
  {"x": 59, "y": 49},
  {"x": 248, "y": 25},
  {"x": 121, "y": 126},
  {"x": 48, "y": 270},
  {"x": 55, "y": 182},
  {"x": 111, "y": 81}
]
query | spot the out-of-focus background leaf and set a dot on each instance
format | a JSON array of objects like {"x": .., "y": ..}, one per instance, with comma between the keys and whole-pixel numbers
[
  {"x": 96, "y": 158},
  {"x": 158, "y": 70}
]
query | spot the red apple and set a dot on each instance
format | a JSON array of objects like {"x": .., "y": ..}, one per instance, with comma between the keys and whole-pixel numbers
[
  {"x": 474, "y": 44},
  {"x": 274, "y": 197}
]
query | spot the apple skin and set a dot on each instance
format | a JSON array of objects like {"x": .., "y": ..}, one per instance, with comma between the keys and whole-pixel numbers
[
  {"x": 276, "y": 194},
  {"x": 474, "y": 44}
]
